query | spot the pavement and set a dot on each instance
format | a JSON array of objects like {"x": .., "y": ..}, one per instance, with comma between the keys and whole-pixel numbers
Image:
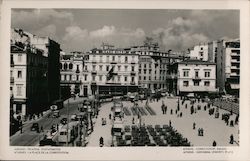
[{"x": 215, "y": 129}]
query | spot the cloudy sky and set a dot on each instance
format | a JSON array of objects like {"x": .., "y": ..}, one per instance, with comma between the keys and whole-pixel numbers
[{"x": 84, "y": 29}]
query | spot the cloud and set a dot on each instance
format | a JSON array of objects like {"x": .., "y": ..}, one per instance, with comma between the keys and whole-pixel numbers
[
  {"x": 120, "y": 37},
  {"x": 75, "y": 33},
  {"x": 48, "y": 30},
  {"x": 103, "y": 32}
]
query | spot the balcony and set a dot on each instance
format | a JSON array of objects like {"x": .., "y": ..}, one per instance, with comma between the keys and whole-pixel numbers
[
  {"x": 132, "y": 73},
  {"x": 196, "y": 78},
  {"x": 11, "y": 79},
  {"x": 70, "y": 82},
  {"x": 132, "y": 83}
]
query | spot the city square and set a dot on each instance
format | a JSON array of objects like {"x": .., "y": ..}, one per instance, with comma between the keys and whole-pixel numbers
[{"x": 110, "y": 83}]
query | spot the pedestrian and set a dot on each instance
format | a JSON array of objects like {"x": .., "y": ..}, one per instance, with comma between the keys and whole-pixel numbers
[
  {"x": 214, "y": 143},
  {"x": 110, "y": 116},
  {"x": 181, "y": 114},
  {"x": 171, "y": 111},
  {"x": 202, "y": 131},
  {"x": 232, "y": 123},
  {"x": 133, "y": 120},
  {"x": 166, "y": 108},
  {"x": 185, "y": 105},
  {"x": 101, "y": 141},
  {"x": 170, "y": 123},
  {"x": 194, "y": 126},
  {"x": 162, "y": 108},
  {"x": 231, "y": 139},
  {"x": 41, "y": 128}
]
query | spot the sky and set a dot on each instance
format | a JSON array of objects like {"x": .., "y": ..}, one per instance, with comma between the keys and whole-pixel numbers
[{"x": 84, "y": 29}]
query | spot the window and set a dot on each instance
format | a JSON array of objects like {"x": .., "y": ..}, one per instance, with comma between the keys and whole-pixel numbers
[
  {"x": 94, "y": 67},
  {"x": 207, "y": 74},
  {"x": 107, "y": 68},
  {"x": 139, "y": 65},
  {"x": 145, "y": 65},
  {"x": 206, "y": 83},
  {"x": 85, "y": 77},
  {"x": 196, "y": 83},
  {"x": 126, "y": 58},
  {"x": 19, "y": 57},
  {"x": 149, "y": 77},
  {"x": 113, "y": 58},
  {"x": 185, "y": 83},
  {"x": 145, "y": 71},
  {"x": 139, "y": 77},
  {"x": 144, "y": 77},
  {"x": 132, "y": 79},
  {"x": 100, "y": 77},
  {"x": 149, "y": 65},
  {"x": 70, "y": 77},
  {"x": 19, "y": 89},
  {"x": 125, "y": 78},
  {"x": 70, "y": 66},
  {"x": 19, "y": 74},
  {"x": 119, "y": 78},
  {"x": 93, "y": 78},
  {"x": 65, "y": 66},
  {"x": 133, "y": 69},
  {"x": 149, "y": 71},
  {"x": 119, "y": 58},
  {"x": 185, "y": 73},
  {"x": 77, "y": 67},
  {"x": 100, "y": 67},
  {"x": 77, "y": 77},
  {"x": 196, "y": 74},
  {"x": 86, "y": 68},
  {"x": 119, "y": 67},
  {"x": 126, "y": 67},
  {"x": 139, "y": 71}
]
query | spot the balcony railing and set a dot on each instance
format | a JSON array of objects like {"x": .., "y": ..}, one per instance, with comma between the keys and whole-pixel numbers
[
  {"x": 11, "y": 79},
  {"x": 196, "y": 78}
]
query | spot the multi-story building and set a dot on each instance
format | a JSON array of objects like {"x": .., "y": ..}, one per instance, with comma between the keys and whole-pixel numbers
[
  {"x": 199, "y": 52},
  {"x": 110, "y": 71},
  {"x": 71, "y": 66},
  {"x": 212, "y": 51},
  {"x": 194, "y": 77},
  {"x": 228, "y": 66},
  {"x": 34, "y": 72}
]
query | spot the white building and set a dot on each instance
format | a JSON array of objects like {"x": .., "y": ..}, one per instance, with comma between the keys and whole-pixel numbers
[
  {"x": 194, "y": 77},
  {"x": 110, "y": 71},
  {"x": 199, "y": 52},
  {"x": 34, "y": 72},
  {"x": 71, "y": 66},
  {"x": 228, "y": 66}
]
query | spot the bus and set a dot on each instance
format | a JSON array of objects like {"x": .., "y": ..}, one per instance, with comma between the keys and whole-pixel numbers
[{"x": 72, "y": 132}]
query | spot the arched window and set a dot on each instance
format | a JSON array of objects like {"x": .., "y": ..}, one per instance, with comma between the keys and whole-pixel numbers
[
  {"x": 70, "y": 66},
  {"x": 65, "y": 66}
]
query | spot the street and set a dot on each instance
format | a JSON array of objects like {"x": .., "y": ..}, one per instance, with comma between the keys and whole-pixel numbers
[{"x": 32, "y": 138}]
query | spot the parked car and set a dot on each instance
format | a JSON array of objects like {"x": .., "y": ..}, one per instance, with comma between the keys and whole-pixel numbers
[{"x": 35, "y": 127}]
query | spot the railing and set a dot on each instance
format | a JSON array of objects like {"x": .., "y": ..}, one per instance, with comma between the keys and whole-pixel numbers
[{"x": 11, "y": 79}]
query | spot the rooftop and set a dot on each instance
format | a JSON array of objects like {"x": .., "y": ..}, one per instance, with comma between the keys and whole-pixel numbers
[{"x": 196, "y": 62}]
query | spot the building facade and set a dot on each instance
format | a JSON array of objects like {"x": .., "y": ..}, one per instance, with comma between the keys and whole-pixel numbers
[
  {"x": 110, "y": 71},
  {"x": 200, "y": 52},
  {"x": 71, "y": 66},
  {"x": 228, "y": 66},
  {"x": 194, "y": 77},
  {"x": 34, "y": 72}
]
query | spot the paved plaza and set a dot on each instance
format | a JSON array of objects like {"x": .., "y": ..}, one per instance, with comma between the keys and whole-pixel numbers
[{"x": 215, "y": 129}]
